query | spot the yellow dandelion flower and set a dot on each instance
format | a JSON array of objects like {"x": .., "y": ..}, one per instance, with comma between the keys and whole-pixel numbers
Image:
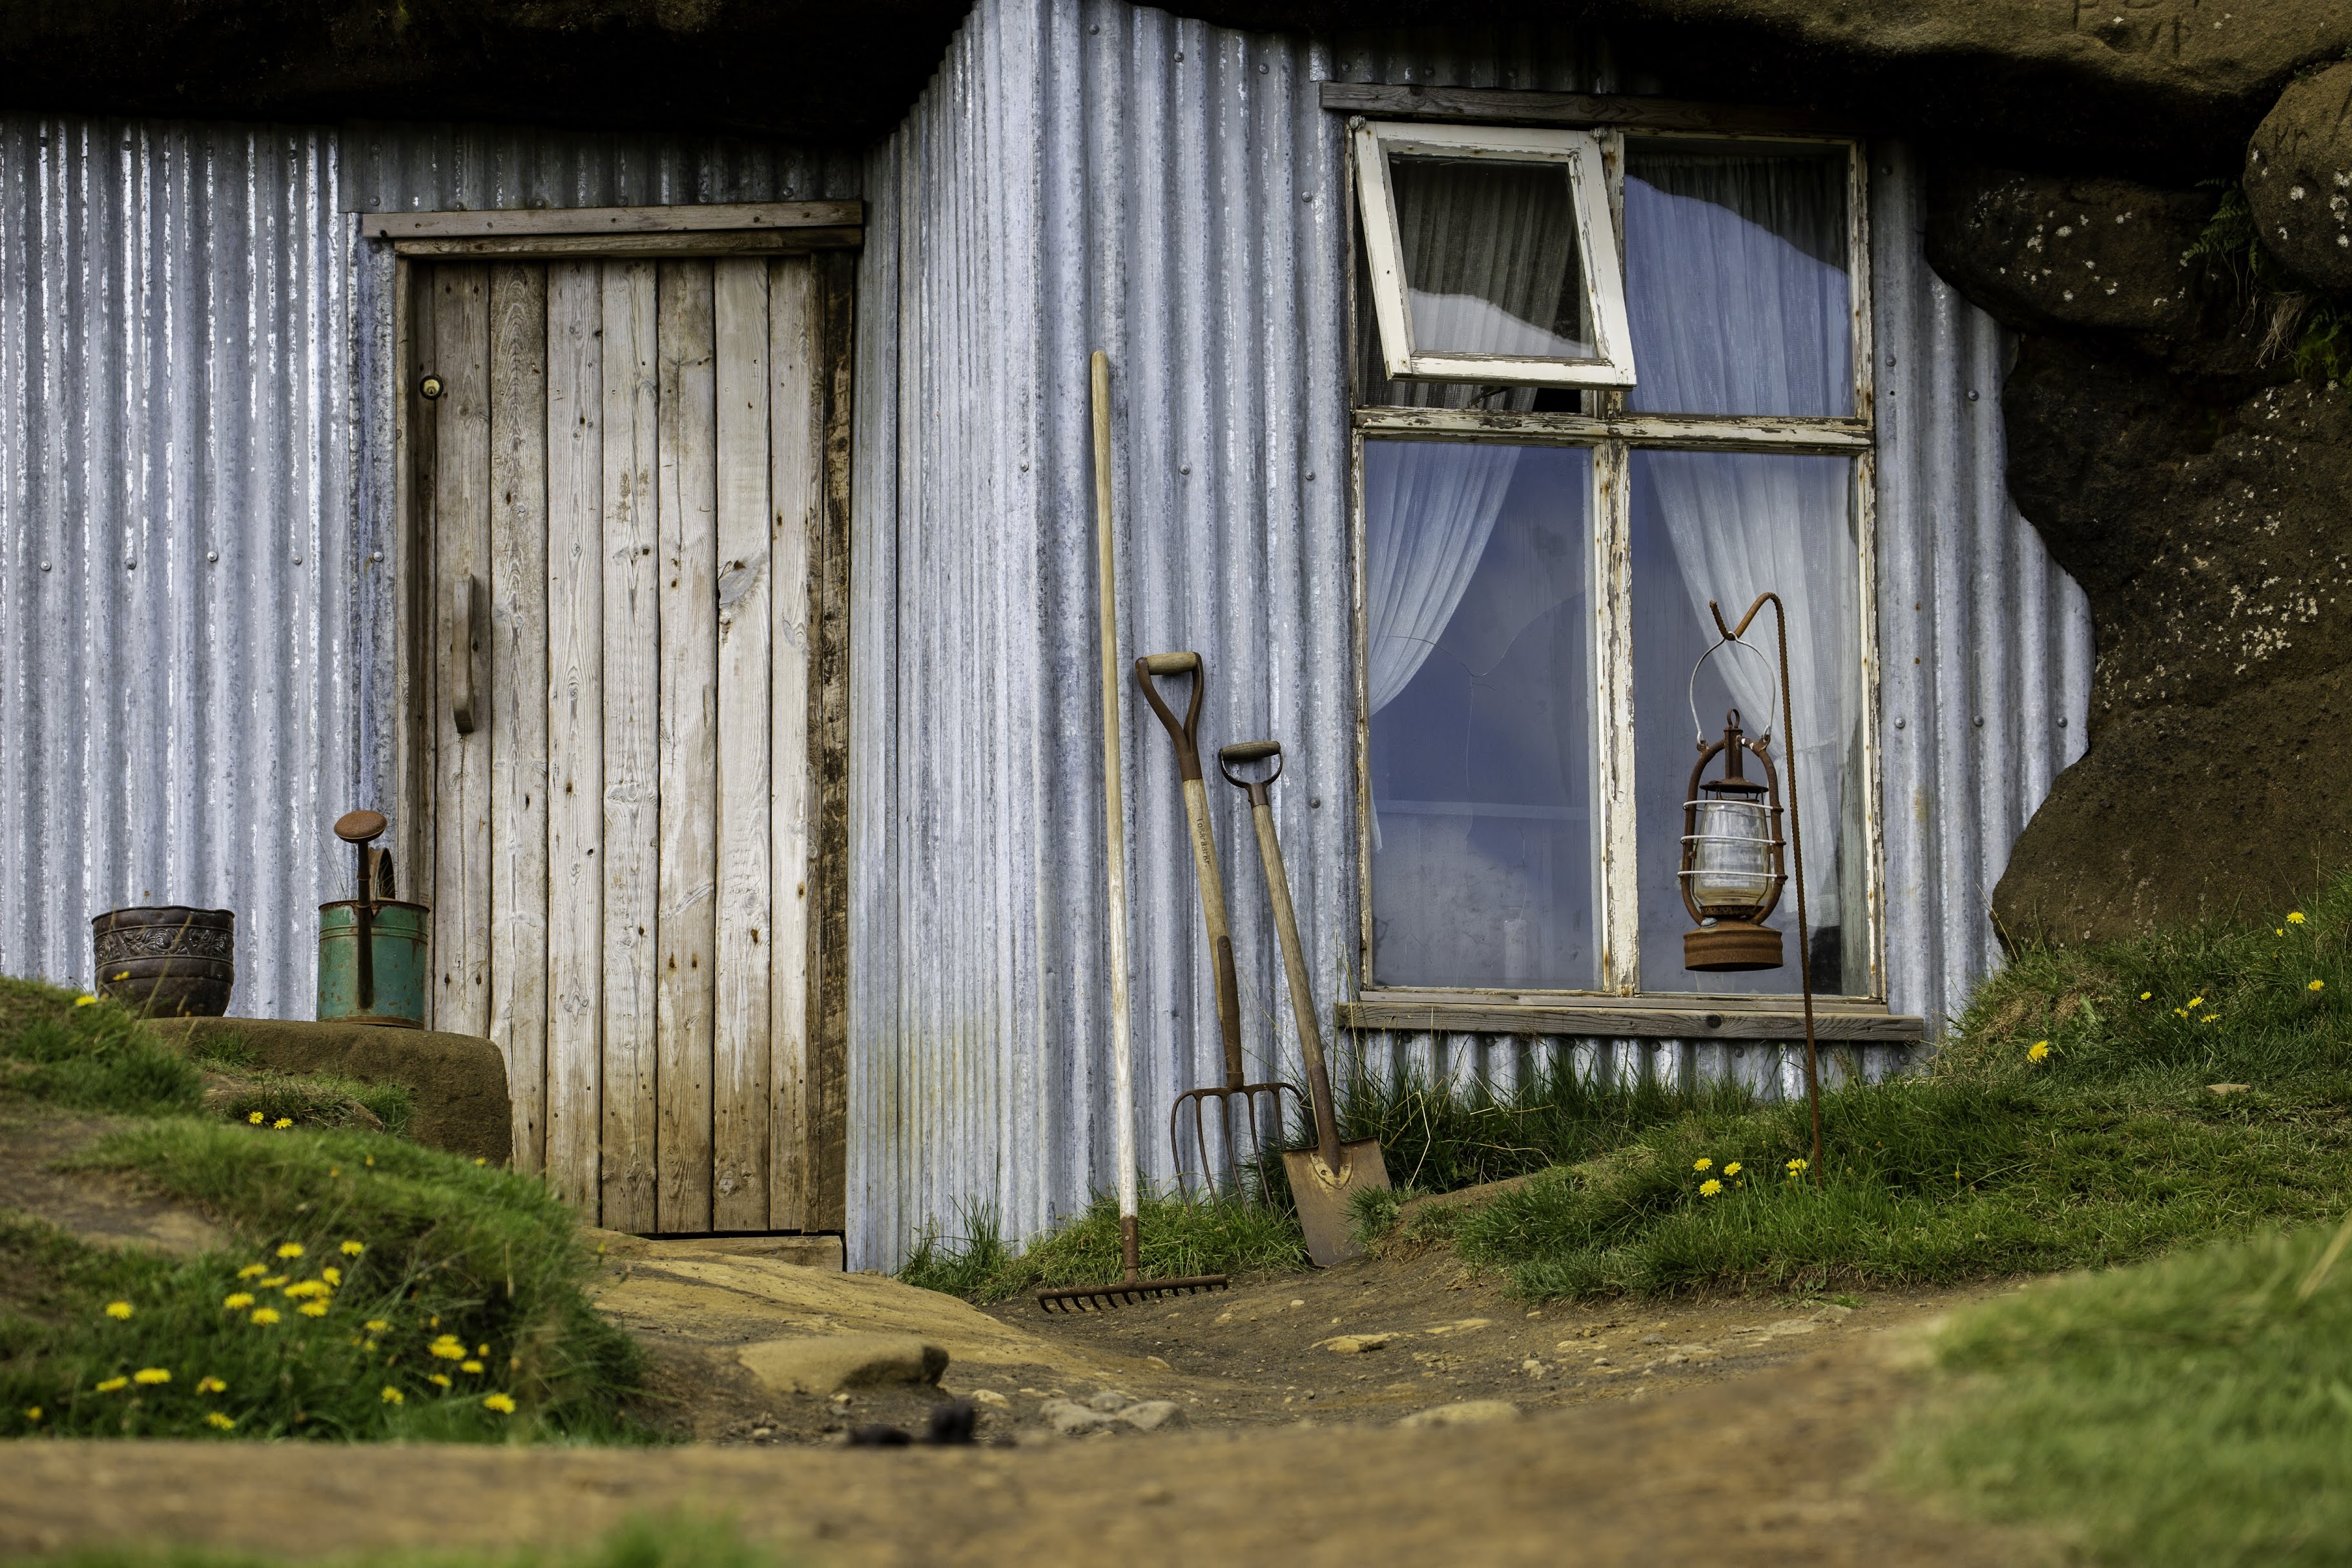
[
  {"x": 1702, "y": 1163},
  {"x": 2146, "y": 994},
  {"x": 334, "y": 1170},
  {"x": 433, "y": 1322},
  {"x": 2038, "y": 1052},
  {"x": 502, "y": 1402},
  {"x": 481, "y": 1349},
  {"x": 473, "y": 1366},
  {"x": 2181, "y": 1011},
  {"x": 446, "y": 1352},
  {"x": 2317, "y": 986},
  {"x": 211, "y": 1385},
  {"x": 2197, "y": 1001},
  {"x": 112, "y": 1384},
  {"x": 364, "y": 1344},
  {"x": 32, "y": 1413},
  {"x": 265, "y": 1316},
  {"x": 253, "y": 1270},
  {"x": 2210, "y": 1018},
  {"x": 331, "y": 1275},
  {"x": 371, "y": 1160},
  {"x": 215, "y": 1418},
  {"x": 85, "y": 1001},
  {"x": 1732, "y": 1169},
  {"x": 353, "y": 1249},
  {"x": 1710, "y": 1187},
  {"x": 2295, "y": 917},
  {"x": 271, "y": 1282},
  {"x": 302, "y": 1288},
  {"x": 376, "y": 1325},
  {"x": 393, "y": 1396},
  {"x": 480, "y": 1160},
  {"x": 282, "y": 1123},
  {"x": 254, "y": 1117},
  {"x": 152, "y": 1375},
  {"x": 1797, "y": 1167},
  {"x": 2278, "y": 931},
  {"x": 117, "y": 1311},
  {"x": 440, "y": 1378},
  {"x": 289, "y": 1249},
  {"x": 312, "y": 1309}
]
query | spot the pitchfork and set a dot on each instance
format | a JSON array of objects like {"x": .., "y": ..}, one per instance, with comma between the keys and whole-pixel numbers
[{"x": 1256, "y": 1100}]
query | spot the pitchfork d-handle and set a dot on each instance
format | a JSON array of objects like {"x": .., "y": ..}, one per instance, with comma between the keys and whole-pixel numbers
[
  {"x": 1286, "y": 926},
  {"x": 1186, "y": 735}
]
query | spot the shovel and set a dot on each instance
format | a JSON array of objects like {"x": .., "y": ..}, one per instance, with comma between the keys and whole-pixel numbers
[
  {"x": 1189, "y": 1113},
  {"x": 1324, "y": 1178}
]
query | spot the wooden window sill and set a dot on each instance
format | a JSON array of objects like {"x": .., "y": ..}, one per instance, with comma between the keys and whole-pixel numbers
[{"x": 1843, "y": 1019}]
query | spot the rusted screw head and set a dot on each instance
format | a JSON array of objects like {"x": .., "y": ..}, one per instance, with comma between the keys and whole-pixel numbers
[{"x": 358, "y": 826}]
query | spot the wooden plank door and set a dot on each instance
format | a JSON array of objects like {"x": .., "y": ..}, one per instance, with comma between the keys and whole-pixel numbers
[{"x": 622, "y": 473}]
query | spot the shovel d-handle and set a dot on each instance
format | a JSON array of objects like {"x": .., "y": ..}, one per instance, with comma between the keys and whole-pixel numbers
[
  {"x": 1286, "y": 926},
  {"x": 1186, "y": 735}
]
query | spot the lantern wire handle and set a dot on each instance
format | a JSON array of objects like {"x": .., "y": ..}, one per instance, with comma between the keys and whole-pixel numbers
[
  {"x": 1729, "y": 640},
  {"x": 1796, "y": 837}
]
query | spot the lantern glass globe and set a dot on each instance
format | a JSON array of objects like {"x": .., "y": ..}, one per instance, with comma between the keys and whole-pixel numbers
[{"x": 1730, "y": 861}]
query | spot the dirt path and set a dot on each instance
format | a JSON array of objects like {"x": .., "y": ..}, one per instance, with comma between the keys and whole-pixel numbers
[{"x": 1761, "y": 1471}]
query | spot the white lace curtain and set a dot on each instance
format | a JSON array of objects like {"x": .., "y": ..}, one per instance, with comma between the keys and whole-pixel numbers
[
  {"x": 1736, "y": 308},
  {"x": 1488, "y": 252}
]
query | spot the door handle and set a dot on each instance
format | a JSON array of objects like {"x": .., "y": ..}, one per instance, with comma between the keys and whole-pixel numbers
[{"x": 461, "y": 654}]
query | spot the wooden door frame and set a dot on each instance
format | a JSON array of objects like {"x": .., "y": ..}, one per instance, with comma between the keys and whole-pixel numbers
[{"x": 829, "y": 233}]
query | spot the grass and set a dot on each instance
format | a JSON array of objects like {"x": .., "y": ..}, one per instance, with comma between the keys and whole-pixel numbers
[
  {"x": 676, "y": 1541},
  {"x": 1226, "y": 1235},
  {"x": 2071, "y": 1121},
  {"x": 2195, "y": 1410},
  {"x": 375, "y": 1289}
]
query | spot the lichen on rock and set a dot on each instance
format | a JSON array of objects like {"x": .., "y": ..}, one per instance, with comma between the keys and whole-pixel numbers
[{"x": 2299, "y": 177}]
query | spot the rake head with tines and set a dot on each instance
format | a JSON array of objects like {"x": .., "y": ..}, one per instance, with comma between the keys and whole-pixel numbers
[{"x": 1130, "y": 1288}]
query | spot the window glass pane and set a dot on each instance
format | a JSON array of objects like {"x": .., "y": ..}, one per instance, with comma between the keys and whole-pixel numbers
[
  {"x": 1489, "y": 252},
  {"x": 1726, "y": 526},
  {"x": 1478, "y": 631},
  {"x": 1736, "y": 279}
]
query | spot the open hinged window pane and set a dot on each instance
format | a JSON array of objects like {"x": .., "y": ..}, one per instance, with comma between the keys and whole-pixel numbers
[{"x": 1492, "y": 256}]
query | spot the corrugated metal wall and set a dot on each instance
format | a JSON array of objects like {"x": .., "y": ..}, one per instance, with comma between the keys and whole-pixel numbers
[
  {"x": 175, "y": 644},
  {"x": 1984, "y": 643},
  {"x": 194, "y": 413},
  {"x": 1085, "y": 173}
]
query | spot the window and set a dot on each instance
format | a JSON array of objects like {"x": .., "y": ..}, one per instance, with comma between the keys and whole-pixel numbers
[
  {"x": 1568, "y": 443},
  {"x": 1492, "y": 256}
]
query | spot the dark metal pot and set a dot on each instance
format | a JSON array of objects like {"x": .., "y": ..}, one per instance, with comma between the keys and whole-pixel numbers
[{"x": 170, "y": 961}]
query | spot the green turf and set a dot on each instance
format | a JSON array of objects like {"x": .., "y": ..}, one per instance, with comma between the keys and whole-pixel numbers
[
  {"x": 2071, "y": 1120},
  {"x": 396, "y": 1248},
  {"x": 1174, "y": 1239},
  {"x": 2192, "y": 1412},
  {"x": 681, "y": 1541}
]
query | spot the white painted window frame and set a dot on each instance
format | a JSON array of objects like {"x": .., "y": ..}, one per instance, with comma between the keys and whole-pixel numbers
[
  {"x": 1598, "y": 252},
  {"x": 1613, "y": 434}
]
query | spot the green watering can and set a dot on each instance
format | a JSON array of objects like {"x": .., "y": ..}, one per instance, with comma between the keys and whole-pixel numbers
[{"x": 372, "y": 949}]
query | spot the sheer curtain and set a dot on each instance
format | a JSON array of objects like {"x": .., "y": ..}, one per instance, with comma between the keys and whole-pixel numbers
[
  {"x": 1487, "y": 254},
  {"x": 1739, "y": 305}
]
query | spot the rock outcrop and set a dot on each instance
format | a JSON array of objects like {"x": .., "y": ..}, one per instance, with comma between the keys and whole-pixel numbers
[{"x": 2299, "y": 177}]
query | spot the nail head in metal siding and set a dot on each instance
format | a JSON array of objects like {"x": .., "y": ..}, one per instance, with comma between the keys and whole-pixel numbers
[
  {"x": 375, "y": 554},
  {"x": 1898, "y": 723},
  {"x": 1310, "y": 476},
  {"x": 1890, "y": 359},
  {"x": 1979, "y": 720},
  {"x": 211, "y": 555},
  {"x": 1184, "y": 468},
  {"x": 44, "y": 565},
  {"x": 2062, "y": 724},
  {"x": 298, "y": 561},
  {"x": 130, "y": 565}
]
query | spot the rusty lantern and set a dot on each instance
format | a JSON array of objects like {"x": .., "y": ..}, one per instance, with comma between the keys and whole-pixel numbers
[{"x": 1734, "y": 860}]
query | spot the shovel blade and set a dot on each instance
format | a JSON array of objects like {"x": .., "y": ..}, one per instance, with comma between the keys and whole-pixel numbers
[{"x": 1322, "y": 1196}]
